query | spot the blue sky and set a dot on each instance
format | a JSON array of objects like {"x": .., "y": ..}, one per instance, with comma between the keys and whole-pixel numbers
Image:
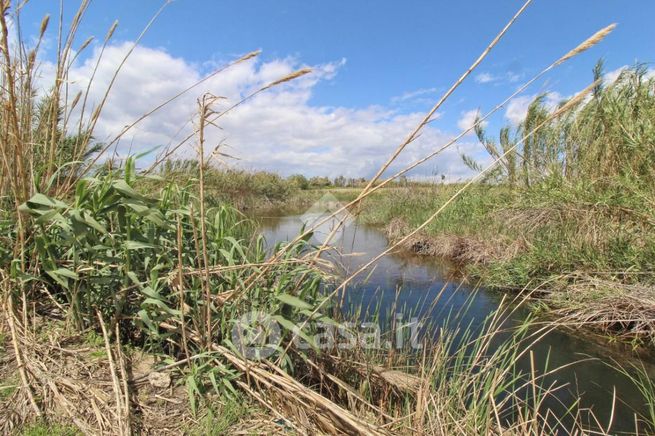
[{"x": 387, "y": 60}]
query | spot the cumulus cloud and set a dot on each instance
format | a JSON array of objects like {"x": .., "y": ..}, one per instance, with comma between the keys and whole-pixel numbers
[
  {"x": 513, "y": 77},
  {"x": 517, "y": 108},
  {"x": 279, "y": 130},
  {"x": 610, "y": 77},
  {"x": 467, "y": 120}
]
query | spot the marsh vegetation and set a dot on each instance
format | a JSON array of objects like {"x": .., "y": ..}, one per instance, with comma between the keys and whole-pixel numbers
[{"x": 123, "y": 286}]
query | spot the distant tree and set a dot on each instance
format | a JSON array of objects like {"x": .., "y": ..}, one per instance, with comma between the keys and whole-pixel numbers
[
  {"x": 299, "y": 181},
  {"x": 339, "y": 182},
  {"x": 319, "y": 182}
]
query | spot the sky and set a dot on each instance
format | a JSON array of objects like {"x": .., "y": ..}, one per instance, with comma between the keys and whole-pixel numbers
[{"x": 378, "y": 67}]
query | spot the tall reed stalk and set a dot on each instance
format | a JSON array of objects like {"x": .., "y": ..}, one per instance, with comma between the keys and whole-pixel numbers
[{"x": 174, "y": 273}]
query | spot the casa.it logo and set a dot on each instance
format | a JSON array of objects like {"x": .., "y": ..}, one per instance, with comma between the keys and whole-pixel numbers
[{"x": 256, "y": 335}]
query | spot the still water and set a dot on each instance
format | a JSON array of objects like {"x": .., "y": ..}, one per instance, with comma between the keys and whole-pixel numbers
[{"x": 426, "y": 287}]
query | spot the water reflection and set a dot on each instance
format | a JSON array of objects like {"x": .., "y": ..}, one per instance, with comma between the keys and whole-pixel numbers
[{"x": 413, "y": 283}]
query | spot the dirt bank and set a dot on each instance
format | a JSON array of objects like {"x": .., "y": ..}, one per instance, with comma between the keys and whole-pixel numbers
[{"x": 605, "y": 303}]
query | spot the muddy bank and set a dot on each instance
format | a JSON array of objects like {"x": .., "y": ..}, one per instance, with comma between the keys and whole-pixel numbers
[
  {"x": 603, "y": 303},
  {"x": 463, "y": 250}
]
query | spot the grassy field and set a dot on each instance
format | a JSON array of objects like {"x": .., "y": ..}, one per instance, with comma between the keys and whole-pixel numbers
[{"x": 587, "y": 259}]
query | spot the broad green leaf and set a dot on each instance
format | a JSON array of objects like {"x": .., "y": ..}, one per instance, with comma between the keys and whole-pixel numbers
[
  {"x": 43, "y": 200},
  {"x": 143, "y": 315},
  {"x": 162, "y": 306},
  {"x": 88, "y": 219},
  {"x": 66, "y": 273},
  {"x": 136, "y": 245},
  {"x": 156, "y": 217},
  {"x": 125, "y": 189},
  {"x": 236, "y": 245},
  {"x": 294, "y": 329},
  {"x": 47, "y": 217},
  {"x": 293, "y": 301},
  {"x": 133, "y": 277},
  {"x": 138, "y": 207},
  {"x": 61, "y": 275},
  {"x": 227, "y": 256},
  {"x": 192, "y": 390},
  {"x": 151, "y": 293}
]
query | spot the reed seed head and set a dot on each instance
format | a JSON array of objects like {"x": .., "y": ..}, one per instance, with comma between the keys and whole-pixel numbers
[
  {"x": 86, "y": 43},
  {"x": 578, "y": 98},
  {"x": 76, "y": 99},
  {"x": 44, "y": 24},
  {"x": 250, "y": 55},
  {"x": 111, "y": 31},
  {"x": 289, "y": 77},
  {"x": 588, "y": 43}
]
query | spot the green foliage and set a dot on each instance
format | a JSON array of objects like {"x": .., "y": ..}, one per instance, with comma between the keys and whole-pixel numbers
[
  {"x": 299, "y": 181},
  {"x": 548, "y": 230},
  {"x": 339, "y": 182},
  {"x": 578, "y": 195},
  {"x": 8, "y": 386},
  {"x": 220, "y": 418},
  {"x": 319, "y": 182},
  {"x": 94, "y": 339},
  {"x": 49, "y": 429},
  {"x": 7, "y": 236},
  {"x": 610, "y": 135},
  {"x": 244, "y": 189},
  {"x": 468, "y": 215},
  {"x": 116, "y": 250}
]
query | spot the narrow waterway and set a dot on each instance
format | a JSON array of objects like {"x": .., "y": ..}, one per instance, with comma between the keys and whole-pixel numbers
[{"x": 412, "y": 283}]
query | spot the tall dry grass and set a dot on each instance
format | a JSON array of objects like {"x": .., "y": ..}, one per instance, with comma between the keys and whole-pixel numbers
[{"x": 169, "y": 274}]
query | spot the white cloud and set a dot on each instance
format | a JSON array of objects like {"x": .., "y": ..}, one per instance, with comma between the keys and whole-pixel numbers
[
  {"x": 509, "y": 77},
  {"x": 609, "y": 78},
  {"x": 517, "y": 108},
  {"x": 411, "y": 95},
  {"x": 467, "y": 120},
  {"x": 278, "y": 130},
  {"x": 513, "y": 77},
  {"x": 484, "y": 78}
]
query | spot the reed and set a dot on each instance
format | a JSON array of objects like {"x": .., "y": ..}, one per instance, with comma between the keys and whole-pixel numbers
[{"x": 166, "y": 272}]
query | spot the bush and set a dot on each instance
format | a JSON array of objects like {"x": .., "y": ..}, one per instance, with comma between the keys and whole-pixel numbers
[
  {"x": 299, "y": 181},
  {"x": 118, "y": 251}
]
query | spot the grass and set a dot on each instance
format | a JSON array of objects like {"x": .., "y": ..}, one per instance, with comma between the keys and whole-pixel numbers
[
  {"x": 46, "y": 429},
  {"x": 565, "y": 239},
  {"x": 8, "y": 387},
  {"x": 259, "y": 191},
  {"x": 569, "y": 207},
  {"x": 220, "y": 419},
  {"x": 105, "y": 257},
  {"x": 243, "y": 189},
  {"x": 550, "y": 222}
]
